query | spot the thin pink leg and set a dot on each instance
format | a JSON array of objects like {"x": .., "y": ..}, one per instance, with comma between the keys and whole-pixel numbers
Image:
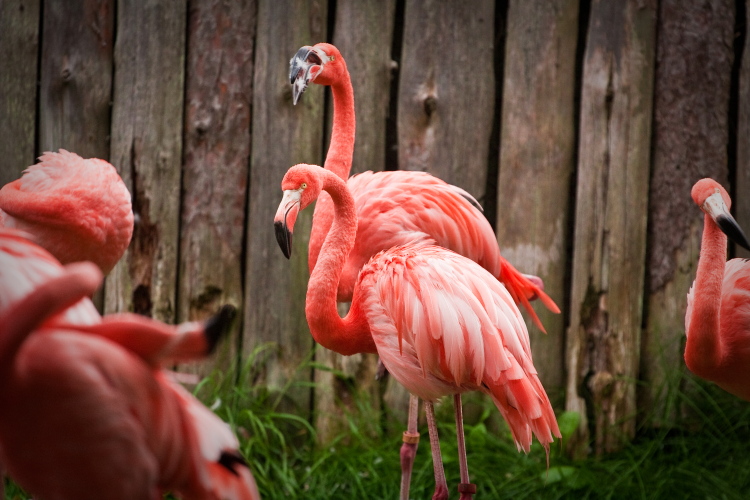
[
  {"x": 409, "y": 448},
  {"x": 465, "y": 489},
  {"x": 441, "y": 486}
]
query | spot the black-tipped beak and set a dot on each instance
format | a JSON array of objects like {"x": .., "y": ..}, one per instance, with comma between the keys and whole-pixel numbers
[
  {"x": 218, "y": 326},
  {"x": 284, "y": 238},
  {"x": 734, "y": 232},
  {"x": 303, "y": 68}
]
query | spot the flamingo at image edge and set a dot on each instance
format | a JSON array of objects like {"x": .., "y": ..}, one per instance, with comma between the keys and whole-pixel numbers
[
  {"x": 120, "y": 423},
  {"x": 396, "y": 208},
  {"x": 441, "y": 324},
  {"x": 717, "y": 320}
]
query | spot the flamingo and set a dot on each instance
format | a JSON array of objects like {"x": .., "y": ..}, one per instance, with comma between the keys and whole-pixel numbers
[
  {"x": 441, "y": 324},
  {"x": 114, "y": 363},
  {"x": 396, "y": 208},
  {"x": 79, "y": 210},
  {"x": 717, "y": 320}
]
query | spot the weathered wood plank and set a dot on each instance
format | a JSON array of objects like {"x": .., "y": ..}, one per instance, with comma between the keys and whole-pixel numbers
[
  {"x": 218, "y": 95},
  {"x": 363, "y": 34},
  {"x": 742, "y": 188},
  {"x": 609, "y": 247},
  {"x": 19, "y": 44},
  {"x": 446, "y": 94},
  {"x": 147, "y": 149},
  {"x": 537, "y": 147},
  {"x": 693, "y": 72},
  {"x": 282, "y": 135},
  {"x": 76, "y": 77}
]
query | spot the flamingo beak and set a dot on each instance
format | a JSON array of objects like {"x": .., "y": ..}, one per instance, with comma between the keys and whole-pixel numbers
[
  {"x": 715, "y": 207},
  {"x": 285, "y": 218},
  {"x": 306, "y": 64}
]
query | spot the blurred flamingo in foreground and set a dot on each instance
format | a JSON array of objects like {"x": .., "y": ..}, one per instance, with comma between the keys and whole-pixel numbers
[
  {"x": 101, "y": 380},
  {"x": 441, "y": 324},
  {"x": 717, "y": 321},
  {"x": 79, "y": 210},
  {"x": 396, "y": 208}
]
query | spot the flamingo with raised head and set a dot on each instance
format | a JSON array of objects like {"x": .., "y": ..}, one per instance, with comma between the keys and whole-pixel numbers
[
  {"x": 396, "y": 208},
  {"x": 24, "y": 267},
  {"x": 717, "y": 320},
  {"x": 441, "y": 324}
]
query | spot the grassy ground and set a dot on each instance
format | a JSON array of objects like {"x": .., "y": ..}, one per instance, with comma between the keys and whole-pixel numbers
[{"x": 706, "y": 456}]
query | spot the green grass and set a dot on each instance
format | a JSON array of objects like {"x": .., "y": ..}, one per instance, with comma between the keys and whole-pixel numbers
[{"x": 706, "y": 455}]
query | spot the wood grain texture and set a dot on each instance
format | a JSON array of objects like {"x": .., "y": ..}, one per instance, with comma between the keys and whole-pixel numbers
[
  {"x": 447, "y": 91},
  {"x": 609, "y": 247},
  {"x": 693, "y": 72},
  {"x": 218, "y": 100},
  {"x": 283, "y": 135},
  {"x": 76, "y": 77},
  {"x": 147, "y": 149},
  {"x": 363, "y": 34},
  {"x": 537, "y": 145},
  {"x": 742, "y": 187},
  {"x": 19, "y": 44}
]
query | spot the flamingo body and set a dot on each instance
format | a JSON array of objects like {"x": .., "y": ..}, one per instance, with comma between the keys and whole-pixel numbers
[{"x": 75, "y": 208}]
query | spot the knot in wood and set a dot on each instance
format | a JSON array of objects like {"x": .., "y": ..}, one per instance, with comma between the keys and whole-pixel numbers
[
  {"x": 602, "y": 384},
  {"x": 66, "y": 74},
  {"x": 430, "y": 104}
]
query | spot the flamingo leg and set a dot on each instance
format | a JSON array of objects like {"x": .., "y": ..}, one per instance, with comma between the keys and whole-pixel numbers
[
  {"x": 409, "y": 448},
  {"x": 465, "y": 489},
  {"x": 441, "y": 486}
]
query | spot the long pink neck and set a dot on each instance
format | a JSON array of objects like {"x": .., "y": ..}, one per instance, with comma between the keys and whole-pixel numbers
[
  {"x": 349, "y": 335},
  {"x": 704, "y": 345},
  {"x": 341, "y": 149}
]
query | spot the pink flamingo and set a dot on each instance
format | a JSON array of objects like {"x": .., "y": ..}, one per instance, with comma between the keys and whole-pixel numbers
[
  {"x": 120, "y": 424},
  {"x": 441, "y": 324},
  {"x": 717, "y": 320},
  {"x": 77, "y": 209},
  {"x": 396, "y": 208}
]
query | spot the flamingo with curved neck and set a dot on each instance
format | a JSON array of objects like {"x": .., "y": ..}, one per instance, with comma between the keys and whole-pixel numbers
[
  {"x": 717, "y": 320},
  {"x": 441, "y": 324}
]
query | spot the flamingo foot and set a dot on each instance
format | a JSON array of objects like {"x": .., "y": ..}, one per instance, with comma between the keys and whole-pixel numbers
[
  {"x": 441, "y": 492},
  {"x": 466, "y": 491}
]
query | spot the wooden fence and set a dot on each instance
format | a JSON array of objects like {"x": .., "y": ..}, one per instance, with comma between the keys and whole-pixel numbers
[{"x": 580, "y": 125}]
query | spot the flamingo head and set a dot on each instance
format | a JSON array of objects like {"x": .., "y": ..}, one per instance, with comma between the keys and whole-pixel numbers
[
  {"x": 715, "y": 202},
  {"x": 301, "y": 186},
  {"x": 321, "y": 63}
]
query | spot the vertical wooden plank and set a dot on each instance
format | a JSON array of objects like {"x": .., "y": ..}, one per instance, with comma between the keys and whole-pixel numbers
[
  {"x": 609, "y": 247},
  {"x": 282, "y": 135},
  {"x": 446, "y": 93},
  {"x": 537, "y": 146},
  {"x": 218, "y": 95},
  {"x": 742, "y": 188},
  {"x": 693, "y": 72},
  {"x": 76, "y": 77},
  {"x": 147, "y": 148},
  {"x": 19, "y": 44},
  {"x": 363, "y": 34}
]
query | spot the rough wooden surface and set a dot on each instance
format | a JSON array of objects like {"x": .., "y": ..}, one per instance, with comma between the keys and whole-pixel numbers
[
  {"x": 283, "y": 135},
  {"x": 147, "y": 149},
  {"x": 19, "y": 40},
  {"x": 742, "y": 189},
  {"x": 609, "y": 246},
  {"x": 446, "y": 93},
  {"x": 76, "y": 77},
  {"x": 536, "y": 162},
  {"x": 218, "y": 100},
  {"x": 363, "y": 32},
  {"x": 693, "y": 71}
]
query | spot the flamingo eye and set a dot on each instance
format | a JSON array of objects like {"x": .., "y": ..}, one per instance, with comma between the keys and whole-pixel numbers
[{"x": 303, "y": 186}]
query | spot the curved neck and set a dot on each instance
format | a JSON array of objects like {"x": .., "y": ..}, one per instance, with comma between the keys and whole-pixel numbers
[
  {"x": 349, "y": 335},
  {"x": 703, "y": 339},
  {"x": 341, "y": 148}
]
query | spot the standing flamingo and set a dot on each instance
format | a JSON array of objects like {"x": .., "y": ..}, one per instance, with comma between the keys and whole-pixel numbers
[
  {"x": 24, "y": 268},
  {"x": 441, "y": 324},
  {"x": 77, "y": 209},
  {"x": 717, "y": 321},
  {"x": 396, "y": 208},
  {"x": 84, "y": 417}
]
